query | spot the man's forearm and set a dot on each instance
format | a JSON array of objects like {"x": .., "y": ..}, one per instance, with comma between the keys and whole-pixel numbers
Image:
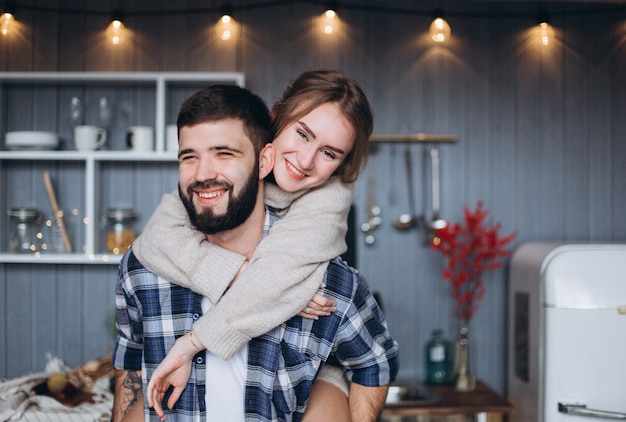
[
  {"x": 127, "y": 393},
  {"x": 366, "y": 403}
]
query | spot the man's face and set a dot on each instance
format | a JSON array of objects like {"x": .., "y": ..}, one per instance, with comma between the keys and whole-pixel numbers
[{"x": 218, "y": 175}]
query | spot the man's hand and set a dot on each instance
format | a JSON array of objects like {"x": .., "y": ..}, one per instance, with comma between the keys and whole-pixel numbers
[
  {"x": 174, "y": 370},
  {"x": 366, "y": 403},
  {"x": 128, "y": 395}
]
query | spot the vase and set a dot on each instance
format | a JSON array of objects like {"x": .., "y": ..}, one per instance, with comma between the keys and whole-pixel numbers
[{"x": 465, "y": 380}]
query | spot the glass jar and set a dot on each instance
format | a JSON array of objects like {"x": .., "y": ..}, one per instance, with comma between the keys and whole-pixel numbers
[
  {"x": 23, "y": 229},
  {"x": 438, "y": 359},
  {"x": 120, "y": 231}
]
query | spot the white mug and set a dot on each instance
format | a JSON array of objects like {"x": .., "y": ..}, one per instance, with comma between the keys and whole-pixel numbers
[
  {"x": 89, "y": 138},
  {"x": 171, "y": 138},
  {"x": 140, "y": 138}
]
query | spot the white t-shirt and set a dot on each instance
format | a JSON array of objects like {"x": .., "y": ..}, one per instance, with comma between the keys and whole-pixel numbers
[{"x": 225, "y": 382}]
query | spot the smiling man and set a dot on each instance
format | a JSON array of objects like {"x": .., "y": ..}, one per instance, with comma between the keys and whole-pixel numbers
[{"x": 223, "y": 157}]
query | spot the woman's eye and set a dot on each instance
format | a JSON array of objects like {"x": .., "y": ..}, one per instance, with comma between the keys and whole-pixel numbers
[
  {"x": 303, "y": 135},
  {"x": 329, "y": 154}
]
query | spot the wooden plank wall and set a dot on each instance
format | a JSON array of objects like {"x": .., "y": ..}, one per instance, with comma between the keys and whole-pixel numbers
[{"x": 541, "y": 142}]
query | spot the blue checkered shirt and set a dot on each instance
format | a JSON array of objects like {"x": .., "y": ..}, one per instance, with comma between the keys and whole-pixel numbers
[{"x": 282, "y": 364}]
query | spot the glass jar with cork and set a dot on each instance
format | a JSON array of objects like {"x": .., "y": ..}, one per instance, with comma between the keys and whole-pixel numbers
[{"x": 120, "y": 230}]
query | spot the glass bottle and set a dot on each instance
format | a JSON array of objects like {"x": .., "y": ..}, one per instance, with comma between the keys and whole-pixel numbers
[
  {"x": 120, "y": 233},
  {"x": 23, "y": 230},
  {"x": 56, "y": 241},
  {"x": 438, "y": 359}
]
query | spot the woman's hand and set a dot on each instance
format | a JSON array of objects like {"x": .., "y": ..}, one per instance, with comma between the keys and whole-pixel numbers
[
  {"x": 319, "y": 305},
  {"x": 174, "y": 370}
]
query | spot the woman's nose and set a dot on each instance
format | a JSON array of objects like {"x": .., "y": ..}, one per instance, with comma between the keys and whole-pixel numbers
[{"x": 307, "y": 158}]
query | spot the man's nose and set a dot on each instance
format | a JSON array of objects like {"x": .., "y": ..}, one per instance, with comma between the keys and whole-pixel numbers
[{"x": 206, "y": 170}]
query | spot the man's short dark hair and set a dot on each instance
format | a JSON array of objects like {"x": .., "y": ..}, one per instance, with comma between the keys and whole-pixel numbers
[{"x": 220, "y": 102}]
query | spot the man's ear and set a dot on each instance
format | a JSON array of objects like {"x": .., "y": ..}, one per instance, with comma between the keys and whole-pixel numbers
[{"x": 266, "y": 160}]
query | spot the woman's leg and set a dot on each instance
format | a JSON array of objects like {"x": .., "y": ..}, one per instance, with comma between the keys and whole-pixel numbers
[
  {"x": 329, "y": 397},
  {"x": 327, "y": 402}
]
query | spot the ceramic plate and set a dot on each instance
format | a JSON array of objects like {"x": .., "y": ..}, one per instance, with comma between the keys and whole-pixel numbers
[{"x": 30, "y": 139}]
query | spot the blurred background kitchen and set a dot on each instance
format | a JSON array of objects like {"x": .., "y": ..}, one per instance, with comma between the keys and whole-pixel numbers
[{"x": 529, "y": 121}]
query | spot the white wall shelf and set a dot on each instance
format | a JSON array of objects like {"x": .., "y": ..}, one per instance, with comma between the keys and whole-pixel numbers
[{"x": 90, "y": 182}]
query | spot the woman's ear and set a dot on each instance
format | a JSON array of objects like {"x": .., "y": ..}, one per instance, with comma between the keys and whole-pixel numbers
[{"x": 266, "y": 160}]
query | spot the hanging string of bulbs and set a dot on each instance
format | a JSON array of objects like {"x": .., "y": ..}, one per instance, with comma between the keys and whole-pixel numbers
[{"x": 439, "y": 30}]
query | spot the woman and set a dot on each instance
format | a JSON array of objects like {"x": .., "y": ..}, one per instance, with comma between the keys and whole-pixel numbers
[{"x": 323, "y": 123}]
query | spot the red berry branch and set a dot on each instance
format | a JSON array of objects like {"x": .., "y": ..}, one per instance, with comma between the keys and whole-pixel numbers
[{"x": 471, "y": 250}]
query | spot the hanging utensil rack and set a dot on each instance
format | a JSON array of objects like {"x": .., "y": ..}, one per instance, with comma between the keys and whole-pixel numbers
[{"x": 414, "y": 137}]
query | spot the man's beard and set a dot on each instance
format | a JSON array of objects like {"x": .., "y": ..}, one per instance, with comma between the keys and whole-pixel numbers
[{"x": 239, "y": 207}]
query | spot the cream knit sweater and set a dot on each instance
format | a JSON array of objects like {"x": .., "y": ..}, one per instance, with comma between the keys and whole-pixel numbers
[{"x": 286, "y": 270}]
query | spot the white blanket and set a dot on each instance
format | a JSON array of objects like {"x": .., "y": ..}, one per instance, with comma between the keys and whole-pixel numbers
[{"x": 17, "y": 404}]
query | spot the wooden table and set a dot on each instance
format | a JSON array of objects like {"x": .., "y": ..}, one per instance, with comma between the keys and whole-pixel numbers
[{"x": 481, "y": 405}]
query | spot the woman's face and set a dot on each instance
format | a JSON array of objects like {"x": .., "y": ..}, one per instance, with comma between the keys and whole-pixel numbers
[{"x": 309, "y": 150}]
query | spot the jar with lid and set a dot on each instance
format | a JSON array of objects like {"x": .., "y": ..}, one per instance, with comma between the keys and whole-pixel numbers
[
  {"x": 120, "y": 231},
  {"x": 438, "y": 359},
  {"x": 23, "y": 230}
]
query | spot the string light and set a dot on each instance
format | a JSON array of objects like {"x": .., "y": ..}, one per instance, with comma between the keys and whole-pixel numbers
[
  {"x": 439, "y": 29},
  {"x": 7, "y": 18},
  {"x": 116, "y": 27}
]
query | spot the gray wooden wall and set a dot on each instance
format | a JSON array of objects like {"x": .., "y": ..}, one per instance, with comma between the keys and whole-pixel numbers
[{"x": 541, "y": 141}]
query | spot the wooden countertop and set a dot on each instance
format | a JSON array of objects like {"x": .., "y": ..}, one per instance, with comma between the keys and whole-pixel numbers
[{"x": 482, "y": 399}]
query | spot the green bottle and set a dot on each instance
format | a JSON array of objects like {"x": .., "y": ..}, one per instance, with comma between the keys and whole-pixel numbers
[{"x": 438, "y": 359}]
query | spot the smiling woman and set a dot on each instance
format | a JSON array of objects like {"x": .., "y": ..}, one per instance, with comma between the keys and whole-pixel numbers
[{"x": 310, "y": 150}]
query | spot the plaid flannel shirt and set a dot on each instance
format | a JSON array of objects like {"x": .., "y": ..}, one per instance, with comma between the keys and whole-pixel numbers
[{"x": 282, "y": 364}]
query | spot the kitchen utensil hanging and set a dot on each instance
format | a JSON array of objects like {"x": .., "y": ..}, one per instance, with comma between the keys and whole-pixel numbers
[
  {"x": 436, "y": 222},
  {"x": 410, "y": 219},
  {"x": 373, "y": 211}
]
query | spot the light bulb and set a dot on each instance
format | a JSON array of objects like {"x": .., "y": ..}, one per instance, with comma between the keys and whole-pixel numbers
[
  {"x": 439, "y": 30},
  {"x": 226, "y": 27},
  {"x": 116, "y": 27},
  {"x": 545, "y": 38},
  {"x": 5, "y": 22},
  {"x": 116, "y": 31},
  {"x": 330, "y": 20}
]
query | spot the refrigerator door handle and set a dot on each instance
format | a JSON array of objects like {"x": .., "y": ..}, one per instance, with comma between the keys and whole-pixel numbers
[{"x": 581, "y": 410}]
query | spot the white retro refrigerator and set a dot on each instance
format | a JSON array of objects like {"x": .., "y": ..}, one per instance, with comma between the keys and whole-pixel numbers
[{"x": 567, "y": 332}]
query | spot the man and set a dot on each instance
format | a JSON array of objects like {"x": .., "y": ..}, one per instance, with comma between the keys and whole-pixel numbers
[{"x": 223, "y": 157}]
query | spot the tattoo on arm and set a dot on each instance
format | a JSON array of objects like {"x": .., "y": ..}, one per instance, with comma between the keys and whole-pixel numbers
[
  {"x": 127, "y": 392},
  {"x": 132, "y": 389}
]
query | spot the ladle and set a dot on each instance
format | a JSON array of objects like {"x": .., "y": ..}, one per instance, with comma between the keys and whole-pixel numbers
[
  {"x": 408, "y": 220},
  {"x": 436, "y": 222}
]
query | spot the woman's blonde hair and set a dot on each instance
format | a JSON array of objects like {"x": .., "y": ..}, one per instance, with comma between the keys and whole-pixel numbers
[{"x": 316, "y": 87}]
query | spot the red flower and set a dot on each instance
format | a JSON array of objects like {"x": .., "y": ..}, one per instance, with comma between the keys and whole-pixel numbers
[{"x": 471, "y": 250}]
